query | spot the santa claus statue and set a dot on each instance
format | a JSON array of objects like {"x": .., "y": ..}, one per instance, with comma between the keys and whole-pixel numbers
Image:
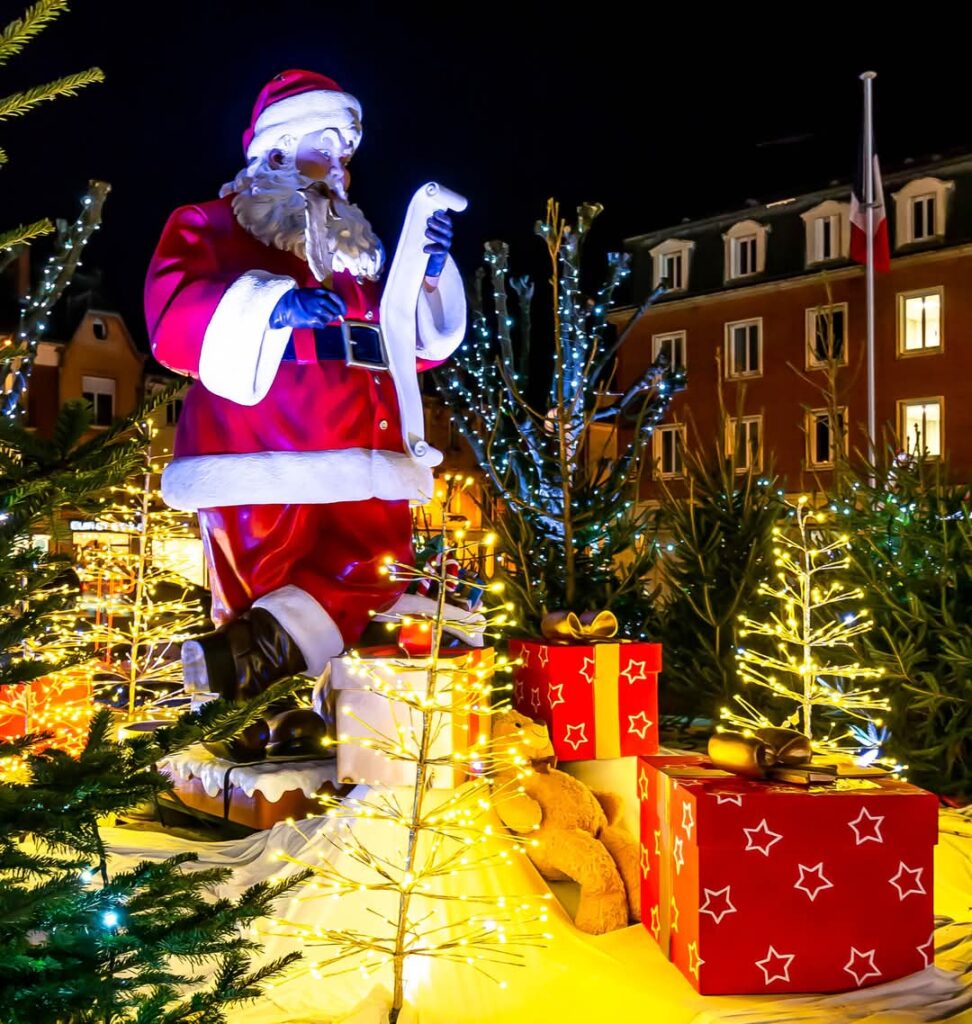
[{"x": 299, "y": 442}]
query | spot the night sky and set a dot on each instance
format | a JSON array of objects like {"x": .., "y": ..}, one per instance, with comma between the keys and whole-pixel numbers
[{"x": 657, "y": 119}]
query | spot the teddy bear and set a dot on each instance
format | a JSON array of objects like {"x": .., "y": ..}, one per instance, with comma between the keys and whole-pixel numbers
[{"x": 574, "y": 832}]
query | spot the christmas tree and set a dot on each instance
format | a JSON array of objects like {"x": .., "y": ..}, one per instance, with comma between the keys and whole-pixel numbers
[
  {"x": 812, "y": 624},
  {"x": 714, "y": 527},
  {"x": 142, "y": 610},
  {"x": 912, "y": 555},
  {"x": 562, "y": 465}
]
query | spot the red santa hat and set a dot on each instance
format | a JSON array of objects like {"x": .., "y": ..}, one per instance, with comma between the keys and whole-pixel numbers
[{"x": 295, "y": 103}]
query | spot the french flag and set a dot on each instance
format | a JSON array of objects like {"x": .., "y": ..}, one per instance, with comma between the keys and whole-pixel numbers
[{"x": 858, "y": 219}]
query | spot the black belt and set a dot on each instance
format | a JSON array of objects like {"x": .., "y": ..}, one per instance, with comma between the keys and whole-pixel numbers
[{"x": 353, "y": 342}]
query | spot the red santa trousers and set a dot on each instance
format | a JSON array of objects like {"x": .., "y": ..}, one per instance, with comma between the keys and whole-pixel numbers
[{"x": 331, "y": 552}]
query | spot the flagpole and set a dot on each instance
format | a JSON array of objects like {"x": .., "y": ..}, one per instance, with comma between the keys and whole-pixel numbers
[{"x": 868, "y": 79}]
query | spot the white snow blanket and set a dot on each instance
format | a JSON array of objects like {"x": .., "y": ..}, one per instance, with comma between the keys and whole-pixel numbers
[
  {"x": 619, "y": 978},
  {"x": 269, "y": 779}
]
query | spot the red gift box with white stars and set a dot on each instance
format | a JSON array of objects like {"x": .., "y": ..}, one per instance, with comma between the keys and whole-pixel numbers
[
  {"x": 760, "y": 887},
  {"x": 598, "y": 700}
]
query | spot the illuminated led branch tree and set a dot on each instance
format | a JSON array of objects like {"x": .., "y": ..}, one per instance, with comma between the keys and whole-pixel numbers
[
  {"x": 421, "y": 882},
  {"x": 143, "y": 609},
  {"x": 564, "y": 464},
  {"x": 814, "y": 622}
]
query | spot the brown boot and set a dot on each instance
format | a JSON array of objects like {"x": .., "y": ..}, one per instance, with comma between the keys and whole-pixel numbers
[{"x": 243, "y": 658}]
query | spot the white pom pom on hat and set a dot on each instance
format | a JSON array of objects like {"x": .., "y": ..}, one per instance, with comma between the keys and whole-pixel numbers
[{"x": 297, "y": 102}]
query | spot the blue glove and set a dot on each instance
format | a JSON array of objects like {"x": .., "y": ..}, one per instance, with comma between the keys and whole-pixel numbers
[
  {"x": 307, "y": 307},
  {"x": 439, "y": 232}
]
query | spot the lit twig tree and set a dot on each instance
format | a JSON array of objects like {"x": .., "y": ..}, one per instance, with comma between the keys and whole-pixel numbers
[
  {"x": 562, "y": 465},
  {"x": 429, "y": 836},
  {"x": 812, "y": 621},
  {"x": 142, "y": 623}
]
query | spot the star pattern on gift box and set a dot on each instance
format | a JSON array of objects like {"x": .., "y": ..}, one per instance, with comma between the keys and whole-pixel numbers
[
  {"x": 717, "y": 904},
  {"x": 694, "y": 960},
  {"x": 655, "y": 926},
  {"x": 555, "y": 694},
  {"x": 812, "y": 880},
  {"x": 861, "y": 966},
  {"x": 644, "y": 723},
  {"x": 645, "y": 861},
  {"x": 518, "y": 691},
  {"x": 927, "y": 950},
  {"x": 657, "y": 842},
  {"x": 674, "y": 908},
  {"x": 634, "y": 672},
  {"x": 761, "y": 838},
  {"x": 867, "y": 827},
  {"x": 543, "y": 656},
  {"x": 644, "y": 785},
  {"x": 581, "y": 733},
  {"x": 728, "y": 798},
  {"x": 535, "y": 698},
  {"x": 776, "y": 966},
  {"x": 678, "y": 855},
  {"x": 688, "y": 820},
  {"x": 908, "y": 881},
  {"x": 587, "y": 670},
  {"x": 525, "y": 656}
]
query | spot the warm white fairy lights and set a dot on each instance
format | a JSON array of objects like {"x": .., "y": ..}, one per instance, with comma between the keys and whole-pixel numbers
[
  {"x": 815, "y": 620},
  {"x": 415, "y": 861}
]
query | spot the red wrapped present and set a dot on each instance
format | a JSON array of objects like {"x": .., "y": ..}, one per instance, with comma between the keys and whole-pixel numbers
[
  {"x": 599, "y": 700},
  {"x": 756, "y": 887},
  {"x": 60, "y": 704}
]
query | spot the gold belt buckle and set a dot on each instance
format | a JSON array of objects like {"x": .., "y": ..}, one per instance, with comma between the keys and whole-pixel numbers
[{"x": 364, "y": 345}]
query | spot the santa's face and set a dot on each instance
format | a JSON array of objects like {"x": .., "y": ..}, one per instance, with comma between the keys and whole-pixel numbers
[{"x": 324, "y": 156}]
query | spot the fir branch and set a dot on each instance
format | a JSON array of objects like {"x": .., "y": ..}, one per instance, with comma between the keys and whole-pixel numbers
[
  {"x": 25, "y": 233},
  {"x": 21, "y": 31},
  {"x": 19, "y": 103}
]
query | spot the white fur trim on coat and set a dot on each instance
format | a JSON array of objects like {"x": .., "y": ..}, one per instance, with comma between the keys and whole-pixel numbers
[
  {"x": 303, "y": 113},
  {"x": 284, "y": 478},
  {"x": 240, "y": 353},
  {"x": 313, "y": 630},
  {"x": 441, "y": 315}
]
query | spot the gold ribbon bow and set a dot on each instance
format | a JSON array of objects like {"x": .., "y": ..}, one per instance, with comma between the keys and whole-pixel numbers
[
  {"x": 783, "y": 755},
  {"x": 588, "y": 627}
]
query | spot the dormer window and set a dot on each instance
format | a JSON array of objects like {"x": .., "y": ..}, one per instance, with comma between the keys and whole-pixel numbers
[
  {"x": 827, "y": 230},
  {"x": 920, "y": 211},
  {"x": 670, "y": 264},
  {"x": 745, "y": 249},
  {"x": 100, "y": 329}
]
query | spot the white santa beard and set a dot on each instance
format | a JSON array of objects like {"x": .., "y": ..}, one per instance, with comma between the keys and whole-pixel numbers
[{"x": 268, "y": 205}]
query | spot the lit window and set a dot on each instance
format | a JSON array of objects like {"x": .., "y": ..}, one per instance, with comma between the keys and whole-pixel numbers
[
  {"x": 672, "y": 346},
  {"x": 744, "y": 348},
  {"x": 824, "y": 437},
  {"x": 920, "y": 321},
  {"x": 744, "y": 442},
  {"x": 922, "y": 218},
  {"x": 921, "y": 424},
  {"x": 826, "y": 334},
  {"x": 100, "y": 393},
  {"x": 669, "y": 444},
  {"x": 744, "y": 256}
]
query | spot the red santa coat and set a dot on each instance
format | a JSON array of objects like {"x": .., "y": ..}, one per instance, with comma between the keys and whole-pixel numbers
[
  {"x": 256, "y": 430},
  {"x": 297, "y": 467}
]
